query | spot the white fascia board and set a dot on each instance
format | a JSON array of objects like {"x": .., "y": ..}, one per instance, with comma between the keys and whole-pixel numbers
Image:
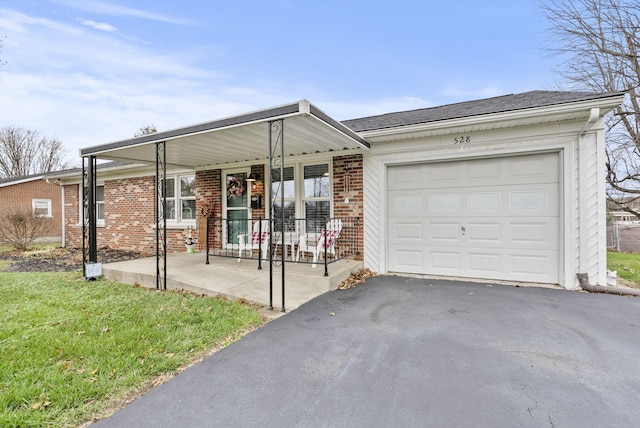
[
  {"x": 22, "y": 180},
  {"x": 605, "y": 105}
]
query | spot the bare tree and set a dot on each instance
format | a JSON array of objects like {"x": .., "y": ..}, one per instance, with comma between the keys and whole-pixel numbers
[
  {"x": 600, "y": 40},
  {"x": 25, "y": 152},
  {"x": 145, "y": 130},
  {"x": 20, "y": 227}
]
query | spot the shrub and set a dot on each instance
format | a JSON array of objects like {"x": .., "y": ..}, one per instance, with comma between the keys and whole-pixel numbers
[{"x": 20, "y": 227}]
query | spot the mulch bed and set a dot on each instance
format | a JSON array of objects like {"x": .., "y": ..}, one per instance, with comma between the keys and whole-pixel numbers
[{"x": 60, "y": 259}]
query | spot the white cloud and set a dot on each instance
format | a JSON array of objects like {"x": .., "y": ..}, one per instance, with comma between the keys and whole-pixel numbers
[
  {"x": 17, "y": 22},
  {"x": 97, "y": 25},
  {"x": 106, "y": 8}
]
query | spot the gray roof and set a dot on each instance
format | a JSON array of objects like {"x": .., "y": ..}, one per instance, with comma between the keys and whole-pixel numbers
[
  {"x": 499, "y": 104},
  {"x": 32, "y": 177},
  {"x": 71, "y": 171}
]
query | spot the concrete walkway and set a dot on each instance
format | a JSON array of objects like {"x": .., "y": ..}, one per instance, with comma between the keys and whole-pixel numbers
[
  {"x": 233, "y": 279},
  {"x": 400, "y": 352}
]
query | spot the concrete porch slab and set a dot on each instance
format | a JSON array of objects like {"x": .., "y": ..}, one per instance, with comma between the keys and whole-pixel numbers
[{"x": 236, "y": 280}]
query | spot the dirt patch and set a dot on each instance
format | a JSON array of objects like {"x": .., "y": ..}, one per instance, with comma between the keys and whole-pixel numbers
[{"x": 61, "y": 259}]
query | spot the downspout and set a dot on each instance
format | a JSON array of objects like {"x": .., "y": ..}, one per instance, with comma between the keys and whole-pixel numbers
[
  {"x": 583, "y": 279},
  {"x": 594, "y": 115},
  {"x": 63, "y": 229}
]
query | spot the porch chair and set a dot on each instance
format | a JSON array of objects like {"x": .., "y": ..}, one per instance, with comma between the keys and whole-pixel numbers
[
  {"x": 331, "y": 232},
  {"x": 257, "y": 240}
]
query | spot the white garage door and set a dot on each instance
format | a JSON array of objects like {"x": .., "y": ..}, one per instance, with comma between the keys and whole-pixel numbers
[{"x": 487, "y": 218}]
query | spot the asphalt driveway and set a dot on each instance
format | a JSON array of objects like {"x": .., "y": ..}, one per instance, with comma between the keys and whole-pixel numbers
[{"x": 413, "y": 352}]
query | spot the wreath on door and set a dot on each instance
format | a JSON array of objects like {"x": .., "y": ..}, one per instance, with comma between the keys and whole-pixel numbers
[{"x": 235, "y": 187}]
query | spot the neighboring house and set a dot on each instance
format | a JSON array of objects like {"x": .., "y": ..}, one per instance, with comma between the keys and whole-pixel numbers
[
  {"x": 37, "y": 194},
  {"x": 505, "y": 188},
  {"x": 616, "y": 215}
]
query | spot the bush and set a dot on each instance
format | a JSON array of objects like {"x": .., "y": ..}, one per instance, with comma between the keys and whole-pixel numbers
[{"x": 20, "y": 227}]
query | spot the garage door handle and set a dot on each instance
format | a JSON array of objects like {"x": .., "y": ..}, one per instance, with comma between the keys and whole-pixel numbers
[{"x": 463, "y": 229}]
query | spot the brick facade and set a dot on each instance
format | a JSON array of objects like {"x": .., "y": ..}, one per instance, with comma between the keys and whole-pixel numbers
[
  {"x": 130, "y": 217},
  {"x": 21, "y": 194}
]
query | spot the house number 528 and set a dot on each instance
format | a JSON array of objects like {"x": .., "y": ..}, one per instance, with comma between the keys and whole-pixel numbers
[{"x": 462, "y": 139}]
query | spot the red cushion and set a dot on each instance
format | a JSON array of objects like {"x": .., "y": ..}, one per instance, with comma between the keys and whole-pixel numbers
[
  {"x": 330, "y": 238},
  {"x": 255, "y": 237}
]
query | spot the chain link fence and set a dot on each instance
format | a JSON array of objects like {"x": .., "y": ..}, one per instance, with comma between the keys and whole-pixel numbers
[{"x": 624, "y": 238}]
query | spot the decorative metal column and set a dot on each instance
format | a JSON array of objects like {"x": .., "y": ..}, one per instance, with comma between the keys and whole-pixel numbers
[
  {"x": 276, "y": 163},
  {"x": 161, "y": 218},
  {"x": 89, "y": 227}
]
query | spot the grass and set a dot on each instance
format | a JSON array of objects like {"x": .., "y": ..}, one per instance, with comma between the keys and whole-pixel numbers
[
  {"x": 70, "y": 348},
  {"x": 627, "y": 265}
]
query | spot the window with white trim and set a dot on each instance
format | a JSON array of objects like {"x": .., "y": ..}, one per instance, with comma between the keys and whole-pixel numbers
[
  {"x": 99, "y": 200},
  {"x": 316, "y": 196},
  {"x": 307, "y": 195},
  {"x": 181, "y": 198},
  {"x": 41, "y": 207}
]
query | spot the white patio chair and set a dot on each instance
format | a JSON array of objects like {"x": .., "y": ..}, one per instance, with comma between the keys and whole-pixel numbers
[
  {"x": 257, "y": 240},
  {"x": 328, "y": 235}
]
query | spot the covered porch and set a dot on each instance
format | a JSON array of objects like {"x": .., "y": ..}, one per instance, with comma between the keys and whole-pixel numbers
[{"x": 284, "y": 147}]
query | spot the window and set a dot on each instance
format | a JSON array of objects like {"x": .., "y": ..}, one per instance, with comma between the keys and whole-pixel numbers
[
  {"x": 41, "y": 207},
  {"x": 307, "y": 195},
  {"x": 317, "y": 202},
  {"x": 288, "y": 190},
  {"x": 100, "y": 202},
  {"x": 99, "y": 196},
  {"x": 181, "y": 198}
]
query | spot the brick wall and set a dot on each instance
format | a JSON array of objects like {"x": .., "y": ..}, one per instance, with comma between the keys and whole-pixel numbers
[
  {"x": 129, "y": 217},
  {"x": 20, "y": 195},
  {"x": 130, "y": 214},
  {"x": 348, "y": 181}
]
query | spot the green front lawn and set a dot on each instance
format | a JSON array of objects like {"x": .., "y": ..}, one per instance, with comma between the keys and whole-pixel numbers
[
  {"x": 626, "y": 264},
  {"x": 69, "y": 349}
]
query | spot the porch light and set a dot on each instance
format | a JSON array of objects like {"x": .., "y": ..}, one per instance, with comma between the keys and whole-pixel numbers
[{"x": 253, "y": 177}]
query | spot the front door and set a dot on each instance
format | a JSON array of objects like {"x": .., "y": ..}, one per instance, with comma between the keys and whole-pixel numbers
[{"x": 237, "y": 211}]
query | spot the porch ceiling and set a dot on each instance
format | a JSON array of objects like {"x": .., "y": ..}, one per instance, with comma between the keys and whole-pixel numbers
[{"x": 238, "y": 138}]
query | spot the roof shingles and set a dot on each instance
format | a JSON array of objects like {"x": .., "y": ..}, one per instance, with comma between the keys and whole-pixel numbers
[{"x": 499, "y": 104}]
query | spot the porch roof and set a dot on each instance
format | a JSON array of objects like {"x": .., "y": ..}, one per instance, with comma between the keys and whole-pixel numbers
[{"x": 237, "y": 138}]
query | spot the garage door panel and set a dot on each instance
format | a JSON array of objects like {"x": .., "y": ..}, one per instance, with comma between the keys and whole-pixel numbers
[
  {"x": 445, "y": 262},
  {"x": 485, "y": 262},
  {"x": 408, "y": 260},
  {"x": 444, "y": 231},
  {"x": 485, "y": 202},
  {"x": 408, "y": 231},
  {"x": 484, "y": 233},
  {"x": 489, "y": 218},
  {"x": 405, "y": 204}
]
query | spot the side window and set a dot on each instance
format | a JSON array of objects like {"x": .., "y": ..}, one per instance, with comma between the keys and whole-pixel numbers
[
  {"x": 41, "y": 207},
  {"x": 170, "y": 197},
  {"x": 99, "y": 202},
  {"x": 188, "y": 197},
  {"x": 181, "y": 198}
]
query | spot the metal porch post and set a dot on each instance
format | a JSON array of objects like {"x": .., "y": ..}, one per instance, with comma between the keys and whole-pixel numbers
[
  {"x": 89, "y": 227},
  {"x": 276, "y": 127},
  {"x": 161, "y": 218}
]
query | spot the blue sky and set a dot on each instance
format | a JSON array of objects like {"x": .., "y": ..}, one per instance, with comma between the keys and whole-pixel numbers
[{"x": 94, "y": 71}]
